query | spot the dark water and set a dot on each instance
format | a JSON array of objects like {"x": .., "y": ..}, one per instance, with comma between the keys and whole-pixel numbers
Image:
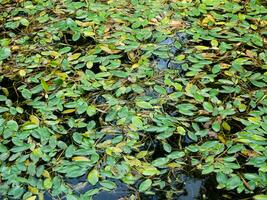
[
  {"x": 191, "y": 188},
  {"x": 81, "y": 186},
  {"x": 170, "y": 63}
]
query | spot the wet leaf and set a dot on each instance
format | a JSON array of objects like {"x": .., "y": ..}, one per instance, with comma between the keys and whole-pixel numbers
[
  {"x": 5, "y": 52},
  {"x": 143, "y": 104},
  {"x": 145, "y": 185},
  {"x": 91, "y": 110},
  {"x": 93, "y": 177}
]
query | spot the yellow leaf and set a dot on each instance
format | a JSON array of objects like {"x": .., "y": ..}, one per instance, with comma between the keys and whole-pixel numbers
[
  {"x": 62, "y": 75},
  {"x": 89, "y": 64},
  {"x": 256, "y": 120},
  {"x": 41, "y": 196},
  {"x": 44, "y": 85},
  {"x": 22, "y": 72},
  {"x": 106, "y": 48},
  {"x": 253, "y": 27},
  {"x": 34, "y": 119},
  {"x": 111, "y": 150},
  {"x": 80, "y": 158},
  {"x": 31, "y": 198},
  {"x": 188, "y": 88},
  {"x": 242, "y": 107},
  {"x": 132, "y": 161},
  {"x": 33, "y": 190},
  {"x": 84, "y": 24},
  {"x": 208, "y": 19},
  {"x": 46, "y": 174},
  {"x": 104, "y": 144},
  {"x": 226, "y": 126},
  {"x": 88, "y": 33},
  {"x": 201, "y": 48},
  {"x": 214, "y": 43},
  {"x": 5, "y": 91},
  {"x": 173, "y": 165},
  {"x": 74, "y": 56},
  {"x": 141, "y": 154},
  {"x": 136, "y": 65},
  {"x": 180, "y": 57},
  {"x": 54, "y": 54},
  {"x": 68, "y": 111},
  {"x": 221, "y": 138}
]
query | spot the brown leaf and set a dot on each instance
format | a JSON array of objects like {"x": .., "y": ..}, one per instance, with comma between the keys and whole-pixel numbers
[
  {"x": 177, "y": 24},
  {"x": 213, "y": 134}
]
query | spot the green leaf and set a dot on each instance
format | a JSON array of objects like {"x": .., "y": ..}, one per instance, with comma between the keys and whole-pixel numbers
[
  {"x": 91, "y": 110},
  {"x": 44, "y": 85},
  {"x": 216, "y": 126},
  {"x": 26, "y": 94},
  {"x": 5, "y": 52},
  {"x": 180, "y": 130},
  {"x": 29, "y": 126},
  {"x": 144, "y": 104},
  {"x": 208, "y": 107},
  {"x": 93, "y": 177},
  {"x": 137, "y": 122},
  {"x": 24, "y": 22},
  {"x": 47, "y": 183},
  {"x": 260, "y": 197},
  {"x": 145, "y": 185},
  {"x": 160, "y": 161},
  {"x": 108, "y": 184},
  {"x": 160, "y": 90},
  {"x": 150, "y": 171}
]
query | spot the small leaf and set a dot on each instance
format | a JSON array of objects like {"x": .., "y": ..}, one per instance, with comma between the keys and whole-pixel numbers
[
  {"x": 260, "y": 197},
  {"x": 48, "y": 183},
  {"x": 150, "y": 171},
  {"x": 91, "y": 110},
  {"x": 144, "y": 104},
  {"x": 145, "y": 185},
  {"x": 80, "y": 158},
  {"x": 5, "y": 52},
  {"x": 160, "y": 90},
  {"x": 216, "y": 126},
  {"x": 208, "y": 107},
  {"x": 137, "y": 122},
  {"x": 44, "y": 85},
  {"x": 93, "y": 177},
  {"x": 31, "y": 198},
  {"x": 74, "y": 56},
  {"x": 181, "y": 130},
  {"x": 214, "y": 43},
  {"x": 160, "y": 161},
  {"x": 108, "y": 184}
]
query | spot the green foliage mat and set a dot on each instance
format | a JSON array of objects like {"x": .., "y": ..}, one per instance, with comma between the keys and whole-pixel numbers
[{"x": 85, "y": 91}]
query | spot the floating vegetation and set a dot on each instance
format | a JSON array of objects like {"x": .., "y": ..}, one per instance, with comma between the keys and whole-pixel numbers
[{"x": 131, "y": 99}]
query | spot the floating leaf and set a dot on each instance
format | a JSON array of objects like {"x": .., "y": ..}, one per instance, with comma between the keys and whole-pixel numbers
[
  {"x": 93, "y": 177},
  {"x": 144, "y": 104},
  {"x": 91, "y": 110},
  {"x": 145, "y": 185},
  {"x": 5, "y": 52}
]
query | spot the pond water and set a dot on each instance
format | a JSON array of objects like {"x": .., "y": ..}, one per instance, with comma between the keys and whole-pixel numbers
[{"x": 192, "y": 188}]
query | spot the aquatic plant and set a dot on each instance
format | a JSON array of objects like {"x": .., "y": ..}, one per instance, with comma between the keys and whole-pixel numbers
[{"x": 133, "y": 92}]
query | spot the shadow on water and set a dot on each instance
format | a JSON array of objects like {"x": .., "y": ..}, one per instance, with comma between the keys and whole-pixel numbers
[
  {"x": 189, "y": 187},
  {"x": 174, "y": 44},
  {"x": 80, "y": 186}
]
